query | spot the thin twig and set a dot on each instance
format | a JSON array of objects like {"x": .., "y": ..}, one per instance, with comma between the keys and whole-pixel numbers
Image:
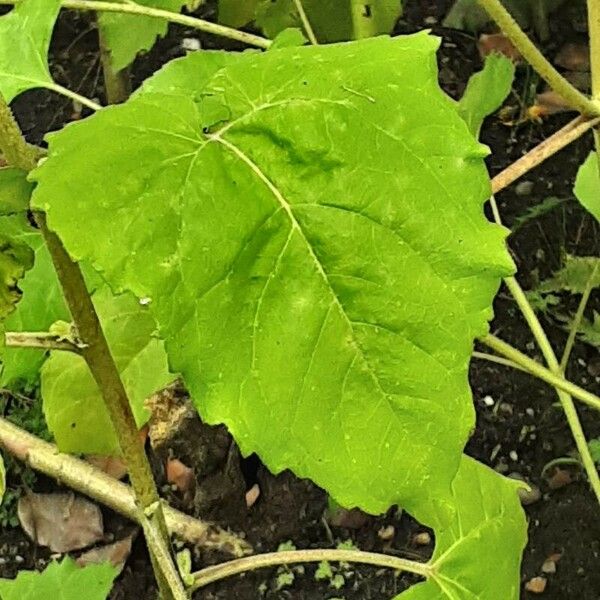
[
  {"x": 91, "y": 481},
  {"x": 137, "y": 9},
  {"x": 556, "y": 142},
  {"x": 540, "y": 371},
  {"x": 499, "y": 360},
  {"x": 589, "y": 286},
  {"x": 39, "y": 339},
  {"x": 538, "y": 61},
  {"x": 274, "y": 559},
  {"x": 312, "y": 38}
]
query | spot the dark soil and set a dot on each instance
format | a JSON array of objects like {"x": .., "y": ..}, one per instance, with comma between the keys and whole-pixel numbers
[{"x": 518, "y": 431}]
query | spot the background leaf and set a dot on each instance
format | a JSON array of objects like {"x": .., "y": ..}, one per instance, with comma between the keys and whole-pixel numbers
[
  {"x": 42, "y": 304},
  {"x": 587, "y": 185},
  {"x": 73, "y": 407},
  {"x": 15, "y": 259},
  {"x": 318, "y": 267},
  {"x": 478, "y": 552},
  {"x": 2, "y": 478},
  {"x": 486, "y": 91},
  {"x": 64, "y": 580},
  {"x": 15, "y": 191},
  {"x": 127, "y": 35},
  {"x": 25, "y": 33},
  {"x": 234, "y": 13}
]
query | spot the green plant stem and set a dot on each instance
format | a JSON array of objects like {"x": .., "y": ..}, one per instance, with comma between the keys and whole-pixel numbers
[
  {"x": 499, "y": 360},
  {"x": 132, "y": 8},
  {"x": 549, "y": 147},
  {"x": 550, "y": 357},
  {"x": 43, "y": 340},
  {"x": 117, "y": 87},
  {"x": 312, "y": 38},
  {"x": 536, "y": 59},
  {"x": 362, "y": 24},
  {"x": 577, "y": 319},
  {"x": 59, "y": 89},
  {"x": 535, "y": 368},
  {"x": 98, "y": 358},
  {"x": 274, "y": 559},
  {"x": 91, "y": 481}
]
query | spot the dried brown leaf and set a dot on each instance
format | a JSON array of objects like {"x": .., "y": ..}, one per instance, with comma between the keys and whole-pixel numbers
[
  {"x": 573, "y": 57},
  {"x": 62, "y": 522},
  {"x": 116, "y": 553},
  {"x": 499, "y": 43}
]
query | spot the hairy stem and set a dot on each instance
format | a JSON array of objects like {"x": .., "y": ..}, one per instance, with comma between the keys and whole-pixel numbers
[
  {"x": 534, "y": 368},
  {"x": 312, "y": 38},
  {"x": 549, "y": 147},
  {"x": 499, "y": 360},
  {"x": 577, "y": 319},
  {"x": 43, "y": 340},
  {"x": 132, "y": 8},
  {"x": 274, "y": 559},
  {"x": 91, "y": 481},
  {"x": 536, "y": 59},
  {"x": 97, "y": 355}
]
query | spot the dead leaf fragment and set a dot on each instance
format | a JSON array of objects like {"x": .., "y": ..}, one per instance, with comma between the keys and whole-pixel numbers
[
  {"x": 252, "y": 495},
  {"x": 559, "y": 479},
  {"x": 499, "y": 43},
  {"x": 349, "y": 519},
  {"x": 179, "y": 475},
  {"x": 116, "y": 553},
  {"x": 548, "y": 103},
  {"x": 111, "y": 465},
  {"x": 62, "y": 522},
  {"x": 573, "y": 57},
  {"x": 536, "y": 585}
]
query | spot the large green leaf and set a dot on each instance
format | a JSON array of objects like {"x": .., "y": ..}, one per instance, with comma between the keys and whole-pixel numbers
[
  {"x": 73, "y": 406},
  {"x": 486, "y": 91},
  {"x": 587, "y": 185},
  {"x": 234, "y": 13},
  {"x": 42, "y": 304},
  {"x": 25, "y": 38},
  {"x": 478, "y": 551},
  {"x": 15, "y": 191},
  {"x": 308, "y": 230},
  {"x": 15, "y": 259},
  {"x": 127, "y": 35},
  {"x": 64, "y": 581}
]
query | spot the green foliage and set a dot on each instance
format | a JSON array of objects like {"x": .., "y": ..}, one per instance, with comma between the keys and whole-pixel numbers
[
  {"x": 15, "y": 191},
  {"x": 331, "y": 19},
  {"x": 587, "y": 185},
  {"x": 538, "y": 210},
  {"x": 25, "y": 33},
  {"x": 42, "y": 304},
  {"x": 82, "y": 424},
  {"x": 64, "y": 580},
  {"x": 486, "y": 91},
  {"x": 127, "y": 35},
  {"x": 594, "y": 446},
  {"x": 284, "y": 304},
  {"x": 477, "y": 552},
  {"x": 573, "y": 277},
  {"x": 15, "y": 259}
]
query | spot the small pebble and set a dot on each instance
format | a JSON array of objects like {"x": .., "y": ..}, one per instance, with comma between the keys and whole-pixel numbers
[
  {"x": 506, "y": 408},
  {"x": 431, "y": 20},
  {"x": 513, "y": 455},
  {"x": 536, "y": 585},
  {"x": 530, "y": 412},
  {"x": 549, "y": 567},
  {"x": 422, "y": 539},
  {"x": 191, "y": 44},
  {"x": 524, "y": 188},
  {"x": 252, "y": 495},
  {"x": 488, "y": 401},
  {"x": 19, "y": 559},
  {"x": 386, "y": 533}
]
